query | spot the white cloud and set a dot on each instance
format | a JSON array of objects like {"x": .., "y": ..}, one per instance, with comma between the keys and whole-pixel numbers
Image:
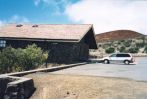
[
  {"x": 15, "y": 19},
  {"x": 18, "y": 19},
  {"x": 58, "y": 5},
  {"x": 36, "y": 2},
  {"x": 108, "y": 15},
  {"x": 1, "y": 23}
]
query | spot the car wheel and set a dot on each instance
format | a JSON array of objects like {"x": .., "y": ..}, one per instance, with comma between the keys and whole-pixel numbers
[
  {"x": 126, "y": 62},
  {"x": 106, "y": 61}
]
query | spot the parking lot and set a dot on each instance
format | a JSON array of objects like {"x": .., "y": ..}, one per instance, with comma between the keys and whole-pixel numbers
[{"x": 136, "y": 71}]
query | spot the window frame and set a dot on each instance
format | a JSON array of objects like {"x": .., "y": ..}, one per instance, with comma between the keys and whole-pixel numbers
[{"x": 2, "y": 43}]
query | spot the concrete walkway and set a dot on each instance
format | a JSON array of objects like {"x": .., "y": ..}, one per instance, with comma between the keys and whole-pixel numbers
[{"x": 136, "y": 72}]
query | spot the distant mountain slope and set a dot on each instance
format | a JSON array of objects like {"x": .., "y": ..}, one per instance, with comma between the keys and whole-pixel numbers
[{"x": 117, "y": 35}]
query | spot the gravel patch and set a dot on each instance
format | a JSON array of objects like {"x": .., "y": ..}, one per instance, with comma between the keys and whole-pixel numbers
[{"x": 54, "y": 86}]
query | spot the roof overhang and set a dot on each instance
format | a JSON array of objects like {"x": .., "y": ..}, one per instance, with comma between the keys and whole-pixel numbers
[{"x": 38, "y": 39}]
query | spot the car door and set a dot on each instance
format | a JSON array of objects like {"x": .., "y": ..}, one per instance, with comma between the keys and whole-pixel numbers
[
  {"x": 113, "y": 58},
  {"x": 125, "y": 57},
  {"x": 119, "y": 58}
]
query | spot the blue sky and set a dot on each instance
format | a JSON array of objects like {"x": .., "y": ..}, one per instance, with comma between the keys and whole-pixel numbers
[
  {"x": 34, "y": 11},
  {"x": 105, "y": 15}
]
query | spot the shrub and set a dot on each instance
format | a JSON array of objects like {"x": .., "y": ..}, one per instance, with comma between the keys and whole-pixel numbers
[
  {"x": 140, "y": 45},
  {"x": 119, "y": 42},
  {"x": 110, "y": 50},
  {"x": 122, "y": 41},
  {"x": 127, "y": 43},
  {"x": 12, "y": 60},
  {"x": 133, "y": 50},
  {"x": 145, "y": 49},
  {"x": 7, "y": 59},
  {"x": 122, "y": 49},
  {"x": 32, "y": 57}
]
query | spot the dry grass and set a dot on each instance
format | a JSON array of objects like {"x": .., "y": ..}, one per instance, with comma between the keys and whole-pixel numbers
[{"x": 51, "y": 86}]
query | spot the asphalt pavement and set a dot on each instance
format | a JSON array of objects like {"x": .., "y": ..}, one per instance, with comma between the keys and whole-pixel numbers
[{"x": 137, "y": 71}]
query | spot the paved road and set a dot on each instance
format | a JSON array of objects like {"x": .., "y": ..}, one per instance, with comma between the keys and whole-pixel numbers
[{"x": 136, "y": 72}]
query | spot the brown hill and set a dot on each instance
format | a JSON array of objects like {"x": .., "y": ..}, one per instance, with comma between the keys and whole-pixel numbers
[{"x": 117, "y": 35}]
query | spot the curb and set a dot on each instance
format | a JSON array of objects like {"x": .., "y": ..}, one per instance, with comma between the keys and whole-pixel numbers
[{"x": 50, "y": 69}]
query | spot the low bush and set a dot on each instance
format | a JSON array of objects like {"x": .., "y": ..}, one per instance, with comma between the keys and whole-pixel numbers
[
  {"x": 7, "y": 59},
  {"x": 133, "y": 50},
  {"x": 140, "y": 45},
  {"x": 122, "y": 49},
  {"x": 145, "y": 49},
  {"x": 127, "y": 43},
  {"x": 12, "y": 60},
  {"x": 110, "y": 50}
]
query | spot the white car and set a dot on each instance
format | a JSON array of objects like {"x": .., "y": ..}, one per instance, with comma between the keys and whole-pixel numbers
[{"x": 125, "y": 58}]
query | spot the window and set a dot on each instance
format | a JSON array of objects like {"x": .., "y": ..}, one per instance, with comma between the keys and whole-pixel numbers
[
  {"x": 127, "y": 55},
  {"x": 123, "y": 55},
  {"x": 113, "y": 55},
  {"x": 2, "y": 43},
  {"x": 120, "y": 55}
]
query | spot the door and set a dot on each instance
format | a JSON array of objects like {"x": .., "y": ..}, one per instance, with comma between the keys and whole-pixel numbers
[{"x": 113, "y": 58}]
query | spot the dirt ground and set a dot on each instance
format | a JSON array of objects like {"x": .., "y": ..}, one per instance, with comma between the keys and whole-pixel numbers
[{"x": 50, "y": 86}]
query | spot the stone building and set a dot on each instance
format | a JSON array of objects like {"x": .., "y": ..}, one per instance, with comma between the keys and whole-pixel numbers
[{"x": 65, "y": 43}]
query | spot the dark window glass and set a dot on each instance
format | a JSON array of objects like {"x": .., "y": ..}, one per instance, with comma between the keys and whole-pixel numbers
[
  {"x": 123, "y": 55},
  {"x": 2, "y": 43},
  {"x": 127, "y": 55}
]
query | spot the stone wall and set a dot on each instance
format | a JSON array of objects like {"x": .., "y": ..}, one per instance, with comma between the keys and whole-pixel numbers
[
  {"x": 3, "y": 86},
  {"x": 16, "y": 87}
]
